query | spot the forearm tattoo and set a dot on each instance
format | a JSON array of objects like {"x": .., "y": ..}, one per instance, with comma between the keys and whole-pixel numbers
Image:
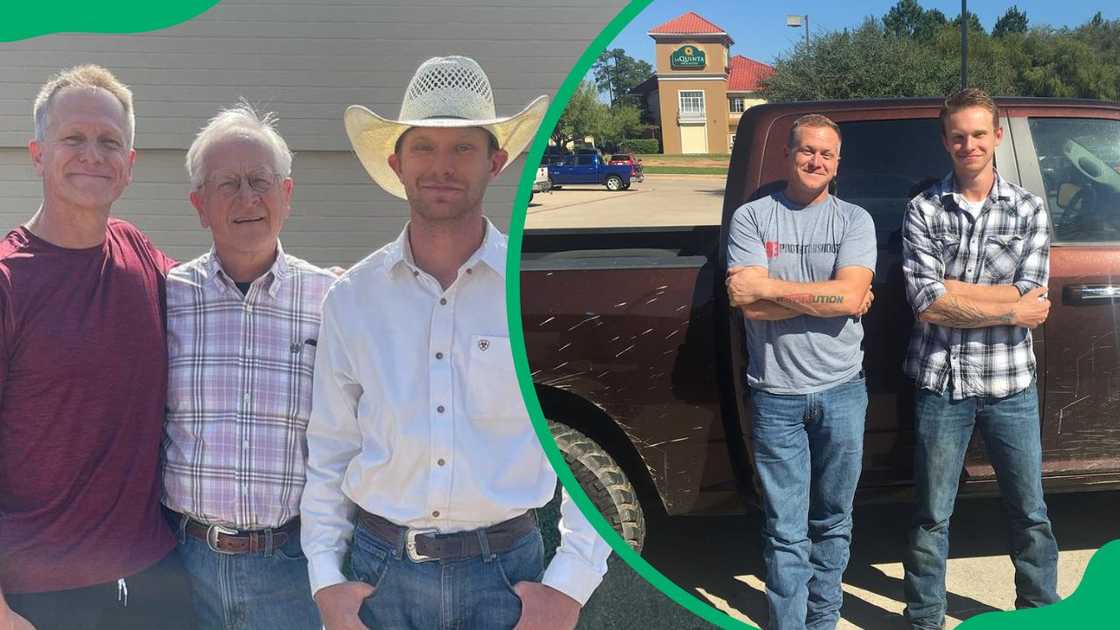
[
  {"x": 809, "y": 298},
  {"x": 952, "y": 312}
]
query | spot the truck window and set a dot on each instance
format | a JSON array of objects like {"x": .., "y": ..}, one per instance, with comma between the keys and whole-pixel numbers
[
  {"x": 1080, "y": 163},
  {"x": 585, "y": 160},
  {"x": 883, "y": 163}
]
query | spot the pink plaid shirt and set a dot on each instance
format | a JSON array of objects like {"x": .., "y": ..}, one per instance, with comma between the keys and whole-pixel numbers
[{"x": 239, "y": 390}]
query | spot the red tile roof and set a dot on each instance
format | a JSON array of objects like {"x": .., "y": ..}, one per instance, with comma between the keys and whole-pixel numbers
[
  {"x": 688, "y": 24},
  {"x": 746, "y": 75}
]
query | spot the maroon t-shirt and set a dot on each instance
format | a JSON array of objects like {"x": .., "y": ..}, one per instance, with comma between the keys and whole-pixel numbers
[{"x": 83, "y": 386}]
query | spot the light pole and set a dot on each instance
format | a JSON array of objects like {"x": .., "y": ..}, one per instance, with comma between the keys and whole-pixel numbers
[
  {"x": 964, "y": 44},
  {"x": 795, "y": 21}
]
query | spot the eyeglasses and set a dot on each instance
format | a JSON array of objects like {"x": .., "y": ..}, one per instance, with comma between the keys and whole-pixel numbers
[{"x": 229, "y": 185}]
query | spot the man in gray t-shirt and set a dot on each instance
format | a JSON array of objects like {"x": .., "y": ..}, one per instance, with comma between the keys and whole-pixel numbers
[{"x": 800, "y": 267}]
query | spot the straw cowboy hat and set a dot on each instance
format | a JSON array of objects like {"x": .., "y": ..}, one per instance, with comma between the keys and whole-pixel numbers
[{"x": 444, "y": 92}]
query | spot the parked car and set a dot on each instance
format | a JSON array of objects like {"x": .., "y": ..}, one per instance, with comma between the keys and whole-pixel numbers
[
  {"x": 589, "y": 168},
  {"x": 636, "y": 173},
  {"x": 541, "y": 183},
  {"x": 638, "y": 359}
]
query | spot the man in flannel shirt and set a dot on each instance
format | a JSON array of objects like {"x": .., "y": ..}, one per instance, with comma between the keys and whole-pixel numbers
[
  {"x": 976, "y": 262},
  {"x": 242, "y": 328}
]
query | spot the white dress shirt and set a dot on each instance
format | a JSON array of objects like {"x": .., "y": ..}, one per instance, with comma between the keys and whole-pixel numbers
[{"x": 417, "y": 416}]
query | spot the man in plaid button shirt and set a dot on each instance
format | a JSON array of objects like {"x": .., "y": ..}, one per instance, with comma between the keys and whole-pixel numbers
[
  {"x": 976, "y": 262},
  {"x": 242, "y": 329}
]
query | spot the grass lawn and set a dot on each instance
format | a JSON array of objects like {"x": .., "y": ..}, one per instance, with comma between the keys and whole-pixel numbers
[
  {"x": 698, "y": 164},
  {"x": 684, "y": 170},
  {"x": 685, "y": 158}
]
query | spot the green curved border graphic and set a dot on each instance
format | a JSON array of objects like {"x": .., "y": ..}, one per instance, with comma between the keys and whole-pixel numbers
[
  {"x": 1086, "y": 608},
  {"x": 517, "y": 337},
  {"x": 24, "y": 19}
]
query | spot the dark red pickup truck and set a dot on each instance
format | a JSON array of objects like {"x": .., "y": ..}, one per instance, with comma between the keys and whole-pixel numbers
[{"x": 638, "y": 360}]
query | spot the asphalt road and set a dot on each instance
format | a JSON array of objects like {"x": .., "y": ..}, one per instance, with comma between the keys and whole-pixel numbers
[{"x": 661, "y": 200}]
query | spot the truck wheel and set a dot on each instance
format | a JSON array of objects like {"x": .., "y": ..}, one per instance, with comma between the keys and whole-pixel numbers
[
  {"x": 614, "y": 182},
  {"x": 551, "y": 185},
  {"x": 604, "y": 482}
]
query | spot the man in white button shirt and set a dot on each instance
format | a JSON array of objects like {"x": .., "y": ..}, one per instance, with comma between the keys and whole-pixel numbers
[{"x": 422, "y": 460}]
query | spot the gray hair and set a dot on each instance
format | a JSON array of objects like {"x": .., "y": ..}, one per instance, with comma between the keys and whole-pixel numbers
[
  {"x": 241, "y": 119},
  {"x": 84, "y": 76}
]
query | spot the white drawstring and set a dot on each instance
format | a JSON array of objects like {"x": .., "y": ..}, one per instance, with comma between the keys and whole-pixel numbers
[{"x": 122, "y": 592}]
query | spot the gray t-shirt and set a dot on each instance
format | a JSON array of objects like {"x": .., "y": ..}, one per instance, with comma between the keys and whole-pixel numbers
[{"x": 797, "y": 243}]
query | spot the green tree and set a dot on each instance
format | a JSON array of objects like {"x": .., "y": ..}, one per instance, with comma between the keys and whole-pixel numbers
[
  {"x": 616, "y": 73},
  {"x": 974, "y": 25},
  {"x": 582, "y": 117},
  {"x": 867, "y": 62},
  {"x": 908, "y": 19},
  {"x": 617, "y": 124},
  {"x": 874, "y": 61},
  {"x": 1012, "y": 21}
]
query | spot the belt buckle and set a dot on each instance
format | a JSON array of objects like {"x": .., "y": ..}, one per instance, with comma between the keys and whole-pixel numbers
[
  {"x": 410, "y": 544},
  {"x": 212, "y": 538}
]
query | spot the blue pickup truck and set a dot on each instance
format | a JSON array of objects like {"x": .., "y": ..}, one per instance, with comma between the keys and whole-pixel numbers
[{"x": 588, "y": 168}]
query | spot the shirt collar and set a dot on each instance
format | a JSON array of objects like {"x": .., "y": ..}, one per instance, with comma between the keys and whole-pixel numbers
[
  {"x": 279, "y": 271},
  {"x": 1001, "y": 189},
  {"x": 492, "y": 252}
]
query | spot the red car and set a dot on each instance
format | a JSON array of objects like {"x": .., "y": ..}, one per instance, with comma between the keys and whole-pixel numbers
[{"x": 636, "y": 174}]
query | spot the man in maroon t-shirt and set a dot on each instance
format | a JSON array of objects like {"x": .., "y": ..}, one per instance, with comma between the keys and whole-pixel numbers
[{"x": 83, "y": 369}]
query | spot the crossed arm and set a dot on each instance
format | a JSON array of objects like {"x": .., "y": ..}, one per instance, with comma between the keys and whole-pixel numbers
[
  {"x": 958, "y": 304},
  {"x": 760, "y": 297}
]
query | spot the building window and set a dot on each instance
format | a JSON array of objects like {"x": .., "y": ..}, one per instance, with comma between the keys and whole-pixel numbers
[
  {"x": 692, "y": 103},
  {"x": 738, "y": 105}
]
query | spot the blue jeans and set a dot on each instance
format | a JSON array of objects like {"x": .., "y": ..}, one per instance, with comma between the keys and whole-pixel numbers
[
  {"x": 252, "y": 591},
  {"x": 475, "y": 593},
  {"x": 942, "y": 430},
  {"x": 808, "y": 452}
]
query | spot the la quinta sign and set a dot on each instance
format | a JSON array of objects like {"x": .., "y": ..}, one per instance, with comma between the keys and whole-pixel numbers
[{"x": 688, "y": 58}]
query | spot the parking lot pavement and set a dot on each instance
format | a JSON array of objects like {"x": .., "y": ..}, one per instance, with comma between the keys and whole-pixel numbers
[
  {"x": 660, "y": 200},
  {"x": 719, "y": 558}
]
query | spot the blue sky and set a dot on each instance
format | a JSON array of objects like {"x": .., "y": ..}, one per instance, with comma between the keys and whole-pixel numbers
[{"x": 760, "y": 33}]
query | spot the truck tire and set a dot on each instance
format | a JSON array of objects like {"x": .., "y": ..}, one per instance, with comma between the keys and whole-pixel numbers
[
  {"x": 613, "y": 182},
  {"x": 551, "y": 185},
  {"x": 604, "y": 482}
]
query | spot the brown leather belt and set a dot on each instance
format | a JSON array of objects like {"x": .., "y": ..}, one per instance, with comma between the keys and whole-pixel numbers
[
  {"x": 423, "y": 545},
  {"x": 234, "y": 541}
]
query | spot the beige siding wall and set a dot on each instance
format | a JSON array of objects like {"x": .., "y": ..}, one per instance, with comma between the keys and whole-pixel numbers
[
  {"x": 715, "y": 113},
  {"x": 307, "y": 60},
  {"x": 715, "y": 53}
]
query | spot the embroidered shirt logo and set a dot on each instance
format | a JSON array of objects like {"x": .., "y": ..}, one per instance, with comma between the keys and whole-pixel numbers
[{"x": 483, "y": 344}]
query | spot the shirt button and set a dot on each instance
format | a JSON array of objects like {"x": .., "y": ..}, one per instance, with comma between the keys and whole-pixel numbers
[
  {"x": 441, "y": 462},
  {"x": 439, "y": 409},
  {"x": 443, "y": 301},
  {"x": 439, "y": 355},
  {"x": 469, "y": 270},
  {"x": 415, "y": 274},
  {"x": 246, "y": 397},
  {"x": 435, "y": 513}
]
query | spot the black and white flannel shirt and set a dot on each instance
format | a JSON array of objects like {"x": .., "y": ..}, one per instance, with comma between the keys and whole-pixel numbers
[{"x": 1007, "y": 243}]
